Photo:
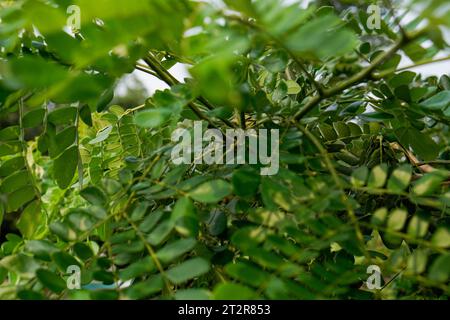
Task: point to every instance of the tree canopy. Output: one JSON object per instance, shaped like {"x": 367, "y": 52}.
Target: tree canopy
{"x": 88, "y": 188}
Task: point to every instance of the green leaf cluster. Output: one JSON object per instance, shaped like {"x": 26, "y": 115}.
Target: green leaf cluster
{"x": 364, "y": 151}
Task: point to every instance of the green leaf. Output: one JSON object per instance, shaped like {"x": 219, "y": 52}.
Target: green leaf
{"x": 30, "y": 295}
{"x": 402, "y": 78}
{"x": 247, "y": 273}
{"x": 9, "y": 133}
{"x": 439, "y": 101}
{"x": 444, "y": 82}
{"x": 359, "y": 176}
{"x": 31, "y": 220}
{"x": 348, "y": 157}
{"x": 211, "y": 191}
{"x": 111, "y": 186}
{"x": 392, "y": 63}
{"x": 102, "y": 135}
{"x": 422, "y": 144}
{"x": 44, "y": 73}
{"x": 104, "y": 295}
{"x": 192, "y": 294}
{"x": 355, "y": 130}
{"x": 233, "y": 291}
{"x": 400, "y": 178}
{"x": 160, "y": 233}
{"x": 397, "y": 219}
{"x": 64, "y": 260}
{"x": 63, "y": 231}
{"x": 65, "y": 167}
{"x": 85, "y": 115}
{"x": 2, "y": 215}
{"x": 151, "y": 220}
{"x": 417, "y": 262}
{"x": 15, "y": 181}
{"x": 20, "y": 197}
{"x": 81, "y": 221}
{"x": 342, "y": 129}
{"x": 327, "y": 131}
{"x": 33, "y": 118}
{"x": 10, "y": 148}
{"x": 62, "y": 141}
{"x": 245, "y": 182}
{"x": 276, "y": 62}
{"x": 183, "y": 207}
{"x": 441, "y": 238}
{"x": 188, "y": 270}
{"x": 11, "y": 165}
{"x": 414, "y": 51}
{"x": 94, "y": 195}
{"x": 293, "y": 87}
{"x": 41, "y": 249}
{"x": 105, "y": 99}
{"x": 365, "y": 48}
{"x": 137, "y": 269}
{"x": 418, "y": 226}
{"x": 21, "y": 264}
{"x": 426, "y": 185}
{"x": 62, "y": 116}
{"x": 379, "y": 217}
{"x": 440, "y": 269}
{"x": 378, "y": 176}
{"x": 51, "y": 280}
{"x": 403, "y": 93}
{"x": 320, "y": 37}
{"x": 217, "y": 222}
{"x": 83, "y": 251}
{"x": 184, "y": 216}
{"x": 146, "y": 288}
{"x": 152, "y": 118}
{"x": 174, "y": 250}
{"x": 139, "y": 211}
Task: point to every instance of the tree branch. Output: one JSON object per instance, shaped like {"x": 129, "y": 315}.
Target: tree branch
{"x": 165, "y": 76}
{"x": 358, "y": 77}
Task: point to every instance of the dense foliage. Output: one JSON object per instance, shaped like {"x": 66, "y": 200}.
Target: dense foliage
{"x": 364, "y": 151}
